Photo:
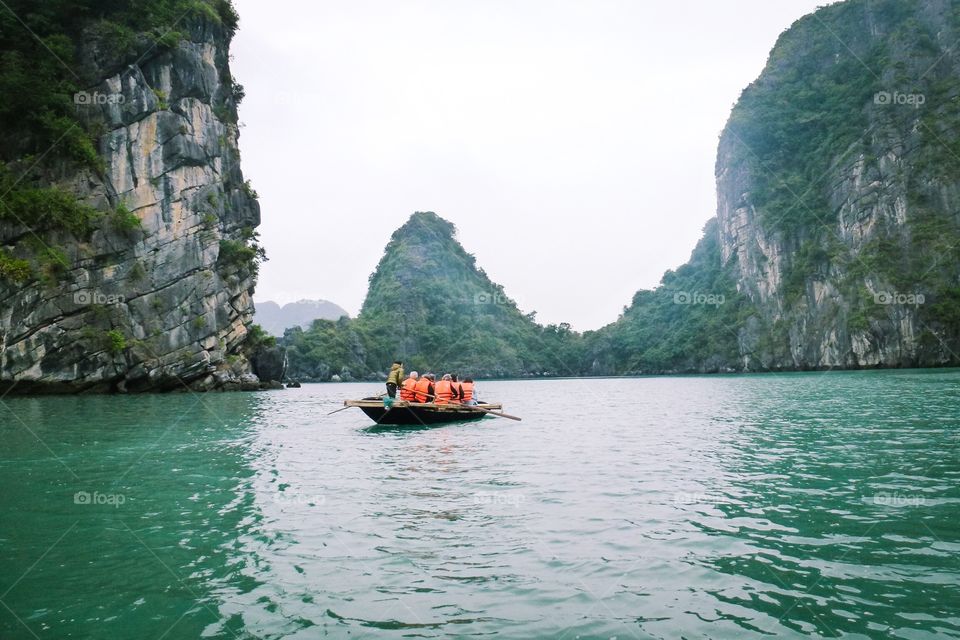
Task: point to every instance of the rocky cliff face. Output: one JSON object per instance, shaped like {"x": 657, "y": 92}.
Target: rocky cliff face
{"x": 839, "y": 195}
{"x": 837, "y": 237}
{"x": 158, "y": 296}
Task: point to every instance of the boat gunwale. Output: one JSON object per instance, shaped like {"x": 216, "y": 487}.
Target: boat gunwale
{"x": 428, "y": 406}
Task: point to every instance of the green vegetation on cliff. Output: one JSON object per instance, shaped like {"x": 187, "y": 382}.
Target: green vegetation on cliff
{"x": 40, "y": 73}
{"x": 689, "y": 323}
{"x": 848, "y": 149}
{"x": 807, "y": 111}
{"x": 44, "y": 138}
{"x": 429, "y": 304}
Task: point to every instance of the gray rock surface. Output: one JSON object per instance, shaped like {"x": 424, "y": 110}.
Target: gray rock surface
{"x": 150, "y": 309}
{"x": 853, "y": 311}
{"x": 270, "y": 363}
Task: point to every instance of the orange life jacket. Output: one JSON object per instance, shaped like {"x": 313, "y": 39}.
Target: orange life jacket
{"x": 406, "y": 389}
{"x": 421, "y": 390}
{"x": 467, "y": 391}
{"x": 445, "y": 392}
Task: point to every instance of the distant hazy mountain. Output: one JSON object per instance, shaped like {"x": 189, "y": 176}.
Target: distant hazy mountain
{"x": 275, "y": 319}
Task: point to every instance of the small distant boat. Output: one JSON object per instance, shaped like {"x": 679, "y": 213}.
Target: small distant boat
{"x": 417, "y": 413}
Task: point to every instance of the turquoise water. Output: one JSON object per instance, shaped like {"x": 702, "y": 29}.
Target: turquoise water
{"x": 788, "y": 506}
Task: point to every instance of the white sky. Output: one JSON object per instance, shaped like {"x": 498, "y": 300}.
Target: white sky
{"x": 571, "y": 142}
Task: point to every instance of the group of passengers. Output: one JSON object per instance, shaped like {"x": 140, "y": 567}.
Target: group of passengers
{"x": 425, "y": 388}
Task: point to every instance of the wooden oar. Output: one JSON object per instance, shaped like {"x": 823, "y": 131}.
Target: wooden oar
{"x": 345, "y": 408}
{"x": 337, "y": 411}
{"x": 494, "y": 413}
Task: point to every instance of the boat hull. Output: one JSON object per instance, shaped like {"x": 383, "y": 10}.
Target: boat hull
{"x": 415, "y": 414}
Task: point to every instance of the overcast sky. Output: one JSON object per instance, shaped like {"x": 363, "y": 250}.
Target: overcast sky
{"x": 571, "y": 142}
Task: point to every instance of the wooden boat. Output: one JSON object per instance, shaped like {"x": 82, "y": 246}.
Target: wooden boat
{"x": 420, "y": 413}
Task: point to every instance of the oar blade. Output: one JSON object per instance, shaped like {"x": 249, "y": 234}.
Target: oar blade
{"x": 496, "y": 413}
{"x": 505, "y": 415}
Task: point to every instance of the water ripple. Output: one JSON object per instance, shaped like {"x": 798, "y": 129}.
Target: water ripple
{"x": 800, "y": 505}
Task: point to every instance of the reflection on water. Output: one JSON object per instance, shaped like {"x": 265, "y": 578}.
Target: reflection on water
{"x": 792, "y": 505}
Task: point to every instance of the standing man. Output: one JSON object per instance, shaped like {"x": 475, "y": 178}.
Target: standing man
{"x": 394, "y": 378}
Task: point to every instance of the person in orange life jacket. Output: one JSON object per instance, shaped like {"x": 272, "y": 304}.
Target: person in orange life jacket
{"x": 468, "y": 392}
{"x": 446, "y": 392}
{"x": 394, "y": 378}
{"x": 457, "y": 388}
{"x": 423, "y": 391}
{"x": 407, "y": 388}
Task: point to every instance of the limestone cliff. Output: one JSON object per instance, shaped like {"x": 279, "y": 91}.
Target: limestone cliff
{"x": 839, "y": 191}
{"x": 837, "y": 237}
{"x": 157, "y": 293}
